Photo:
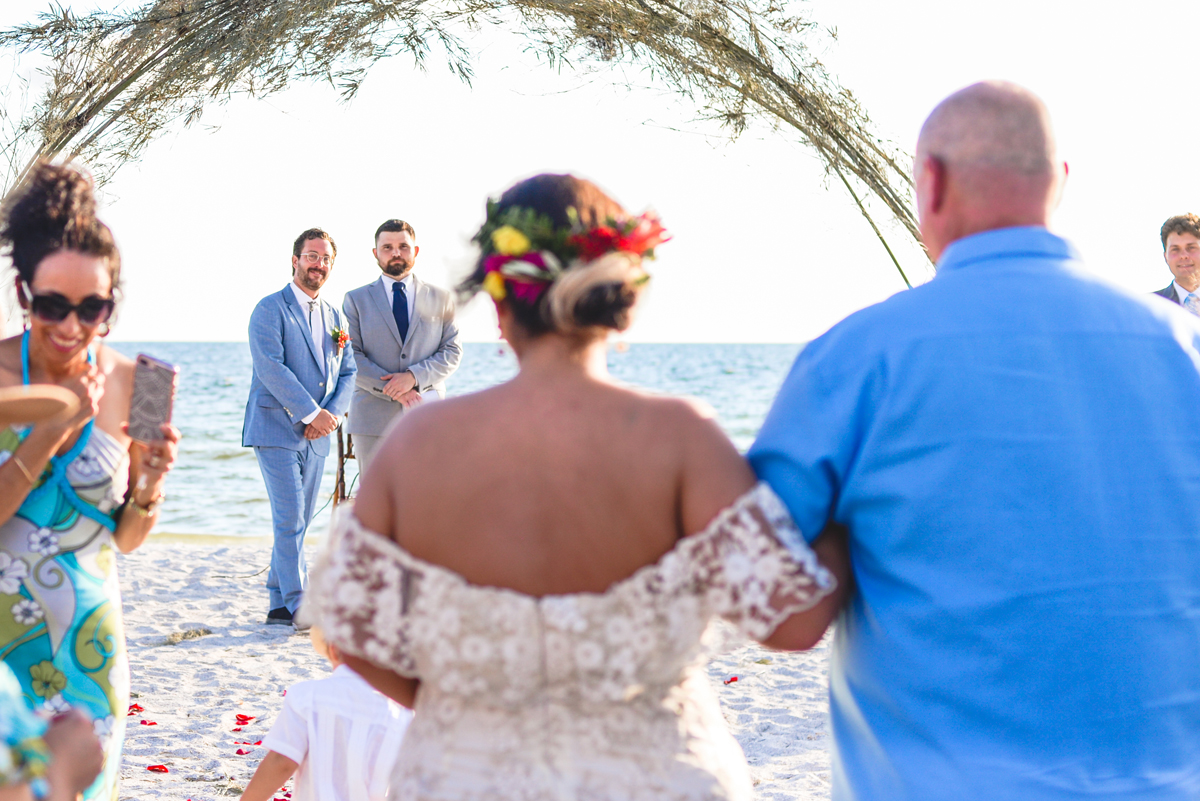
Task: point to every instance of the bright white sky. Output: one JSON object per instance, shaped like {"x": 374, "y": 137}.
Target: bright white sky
{"x": 764, "y": 251}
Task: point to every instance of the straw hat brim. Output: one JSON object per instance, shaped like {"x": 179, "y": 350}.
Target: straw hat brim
{"x": 35, "y": 403}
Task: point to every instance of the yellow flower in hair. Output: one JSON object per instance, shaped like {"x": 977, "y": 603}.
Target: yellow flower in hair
{"x": 493, "y": 284}
{"x": 508, "y": 241}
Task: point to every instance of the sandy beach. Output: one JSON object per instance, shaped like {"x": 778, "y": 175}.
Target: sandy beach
{"x": 201, "y": 655}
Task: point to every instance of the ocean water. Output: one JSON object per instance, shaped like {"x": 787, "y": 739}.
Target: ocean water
{"x": 216, "y": 489}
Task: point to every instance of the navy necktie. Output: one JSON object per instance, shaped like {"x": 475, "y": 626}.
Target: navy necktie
{"x": 400, "y": 309}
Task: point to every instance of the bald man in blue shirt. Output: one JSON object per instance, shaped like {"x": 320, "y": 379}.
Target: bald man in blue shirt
{"x": 1003, "y": 446}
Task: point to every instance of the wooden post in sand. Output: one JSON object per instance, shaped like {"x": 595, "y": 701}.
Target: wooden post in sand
{"x": 345, "y": 451}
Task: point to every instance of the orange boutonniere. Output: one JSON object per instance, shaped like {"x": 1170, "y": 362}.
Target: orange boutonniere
{"x": 340, "y": 337}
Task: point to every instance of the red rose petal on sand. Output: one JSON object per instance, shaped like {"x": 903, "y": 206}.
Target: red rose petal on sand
{"x": 731, "y": 680}
{"x": 147, "y": 722}
{"x": 236, "y": 728}
{"x": 135, "y": 708}
{"x": 244, "y": 718}
{"x": 242, "y": 752}
{"x": 158, "y": 768}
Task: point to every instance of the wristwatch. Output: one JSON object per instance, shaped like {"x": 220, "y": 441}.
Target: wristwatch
{"x": 148, "y": 509}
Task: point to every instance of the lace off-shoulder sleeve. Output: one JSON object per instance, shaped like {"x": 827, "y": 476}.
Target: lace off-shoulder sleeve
{"x": 360, "y": 594}
{"x": 755, "y": 567}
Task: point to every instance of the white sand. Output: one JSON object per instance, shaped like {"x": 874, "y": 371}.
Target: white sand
{"x": 193, "y": 688}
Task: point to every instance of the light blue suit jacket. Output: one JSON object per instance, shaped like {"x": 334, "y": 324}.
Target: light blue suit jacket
{"x": 287, "y": 384}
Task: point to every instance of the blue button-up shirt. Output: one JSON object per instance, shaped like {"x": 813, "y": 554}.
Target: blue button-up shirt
{"x": 1005, "y": 446}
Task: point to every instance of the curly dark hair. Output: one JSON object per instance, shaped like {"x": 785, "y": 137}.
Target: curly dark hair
{"x": 55, "y": 210}
{"x": 563, "y": 201}
{"x": 1180, "y": 224}
{"x": 313, "y": 233}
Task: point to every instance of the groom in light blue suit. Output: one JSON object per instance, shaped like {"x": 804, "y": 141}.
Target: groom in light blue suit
{"x": 300, "y": 389}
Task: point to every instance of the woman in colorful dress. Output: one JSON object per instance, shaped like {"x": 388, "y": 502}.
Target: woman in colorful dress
{"x": 72, "y": 488}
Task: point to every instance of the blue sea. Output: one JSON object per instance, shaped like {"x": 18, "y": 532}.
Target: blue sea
{"x": 216, "y": 489}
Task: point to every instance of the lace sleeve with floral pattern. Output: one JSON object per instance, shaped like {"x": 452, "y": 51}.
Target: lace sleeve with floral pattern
{"x": 755, "y": 566}
{"x": 359, "y": 595}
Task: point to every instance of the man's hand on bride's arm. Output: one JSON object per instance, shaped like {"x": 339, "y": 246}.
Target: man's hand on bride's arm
{"x": 400, "y": 689}
{"x": 804, "y": 630}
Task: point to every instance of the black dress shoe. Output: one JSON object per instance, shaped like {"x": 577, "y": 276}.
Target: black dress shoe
{"x": 280, "y": 616}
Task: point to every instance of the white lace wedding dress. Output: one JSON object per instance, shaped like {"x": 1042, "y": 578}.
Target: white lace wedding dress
{"x": 568, "y": 697}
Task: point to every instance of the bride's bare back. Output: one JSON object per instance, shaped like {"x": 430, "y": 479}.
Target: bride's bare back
{"x": 558, "y": 481}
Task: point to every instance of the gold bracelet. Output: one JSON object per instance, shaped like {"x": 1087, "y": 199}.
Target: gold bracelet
{"x": 147, "y": 510}
{"x": 21, "y": 465}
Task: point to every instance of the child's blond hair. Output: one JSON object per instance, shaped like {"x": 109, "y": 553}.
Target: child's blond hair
{"x": 322, "y": 646}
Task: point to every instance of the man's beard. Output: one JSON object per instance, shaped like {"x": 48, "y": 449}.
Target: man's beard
{"x": 311, "y": 282}
{"x": 396, "y": 267}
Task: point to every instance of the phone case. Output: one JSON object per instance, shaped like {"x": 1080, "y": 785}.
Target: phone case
{"x": 153, "y": 396}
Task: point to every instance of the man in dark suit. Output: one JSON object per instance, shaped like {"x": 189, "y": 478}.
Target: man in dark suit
{"x": 1181, "y": 251}
{"x": 300, "y": 388}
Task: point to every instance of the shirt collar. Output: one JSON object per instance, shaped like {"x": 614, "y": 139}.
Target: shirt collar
{"x": 406, "y": 280}
{"x": 302, "y": 297}
{"x": 1182, "y": 293}
{"x": 1031, "y": 241}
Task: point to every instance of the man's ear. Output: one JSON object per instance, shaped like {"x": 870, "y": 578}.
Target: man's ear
{"x": 934, "y": 173}
{"x": 416, "y": 250}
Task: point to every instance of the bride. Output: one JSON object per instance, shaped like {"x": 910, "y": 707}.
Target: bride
{"x": 532, "y": 567}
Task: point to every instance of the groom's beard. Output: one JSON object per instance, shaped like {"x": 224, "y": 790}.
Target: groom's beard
{"x": 397, "y": 268}
{"x": 313, "y": 278}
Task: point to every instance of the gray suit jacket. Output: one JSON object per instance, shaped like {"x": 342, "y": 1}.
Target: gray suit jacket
{"x": 287, "y": 383}
{"x": 1170, "y": 294}
{"x": 431, "y": 351}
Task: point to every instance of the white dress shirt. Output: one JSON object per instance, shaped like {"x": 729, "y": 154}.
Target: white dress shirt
{"x": 311, "y": 309}
{"x": 343, "y": 734}
{"x": 409, "y": 295}
{"x": 1180, "y": 292}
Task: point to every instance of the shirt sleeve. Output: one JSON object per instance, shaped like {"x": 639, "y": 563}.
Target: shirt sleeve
{"x": 811, "y": 436}
{"x": 308, "y": 418}
{"x": 289, "y": 734}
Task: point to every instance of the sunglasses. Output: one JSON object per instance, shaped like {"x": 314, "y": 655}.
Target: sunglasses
{"x": 54, "y": 308}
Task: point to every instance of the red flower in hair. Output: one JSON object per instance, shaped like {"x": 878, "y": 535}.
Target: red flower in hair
{"x": 647, "y": 234}
{"x": 595, "y": 242}
{"x": 637, "y": 236}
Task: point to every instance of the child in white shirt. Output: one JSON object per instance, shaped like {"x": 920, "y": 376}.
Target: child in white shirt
{"x": 338, "y": 735}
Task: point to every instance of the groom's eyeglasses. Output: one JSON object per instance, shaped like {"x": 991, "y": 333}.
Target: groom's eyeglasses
{"x": 312, "y": 258}
{"x": 52, "y": 307}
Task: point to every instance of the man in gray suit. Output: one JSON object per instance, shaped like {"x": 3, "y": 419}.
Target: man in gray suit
{"x": 300, "y": 387}
{"x": 404, "y": 338}
{"x": 1181, "y": 251}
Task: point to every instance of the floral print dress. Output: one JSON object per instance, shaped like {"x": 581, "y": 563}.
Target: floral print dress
{"x": 60, "y": 603}
{"x": 23, "y": 752}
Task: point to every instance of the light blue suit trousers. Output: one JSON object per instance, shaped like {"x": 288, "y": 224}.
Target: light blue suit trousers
{"x": 293, "y": 479}
{"x": 289, "y": 383}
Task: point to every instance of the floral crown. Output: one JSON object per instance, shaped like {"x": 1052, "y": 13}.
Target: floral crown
{"x": 525, "y": 252}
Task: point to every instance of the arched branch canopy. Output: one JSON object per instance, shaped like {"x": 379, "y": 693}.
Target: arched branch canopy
{"x": 118, "y": 80}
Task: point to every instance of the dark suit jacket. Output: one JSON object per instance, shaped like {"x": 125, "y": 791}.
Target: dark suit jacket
{"x": 1169, "y": 294}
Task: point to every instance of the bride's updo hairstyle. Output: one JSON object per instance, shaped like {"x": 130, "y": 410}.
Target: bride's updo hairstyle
{"x": 564, "y": 256}
{"x": 55, "y": 210}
